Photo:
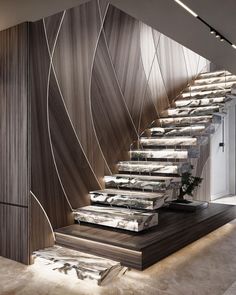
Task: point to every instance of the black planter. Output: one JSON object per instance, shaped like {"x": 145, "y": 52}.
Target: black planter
{"x": 187, "y": 205}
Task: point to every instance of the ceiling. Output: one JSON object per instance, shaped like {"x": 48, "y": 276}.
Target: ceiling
{"x": 164, "y": 15}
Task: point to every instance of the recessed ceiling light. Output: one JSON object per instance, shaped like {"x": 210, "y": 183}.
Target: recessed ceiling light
{"x": 212, "y": 31}
{"x": 186, "y": 8}
{"x": 222, "y": 39}
{"x": 234, "y": 46}
{"x": 217, "y": 35}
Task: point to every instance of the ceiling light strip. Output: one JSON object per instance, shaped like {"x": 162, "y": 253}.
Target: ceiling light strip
{"x": 186, "y": 8}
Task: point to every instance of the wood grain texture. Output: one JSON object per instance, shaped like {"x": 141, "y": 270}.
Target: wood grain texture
{"x": 175, "y": 230}
{"x": 41, "y": 235}
{"x": 73, "y": 59}
{"x": 122, "y": 33}
{"x": 14, "y": 233}
{"x": 44, "y": 180}
{"x": 113, "y": 124}
{"x": 14, "y": 177}
{"x": 75, "y": 173}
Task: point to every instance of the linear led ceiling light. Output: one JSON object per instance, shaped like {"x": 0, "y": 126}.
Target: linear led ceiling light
{"x": 212, "y": 30}
{"x": 186, "y": 7}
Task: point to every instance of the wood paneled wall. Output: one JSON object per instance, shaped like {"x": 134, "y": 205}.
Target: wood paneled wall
{"x": 98, "y": 78}
{"x": 14, "y": 137}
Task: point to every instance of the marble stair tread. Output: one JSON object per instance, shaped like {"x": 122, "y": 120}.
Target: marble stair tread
{"x": 220, "y": 73}
{"x": 162, "y": 154}
{"x": 200, "y": 102}
{"x": 204, "y": 94}
{"x": 141, "y": 182}
{"x": 79, "y": 265}
{"x": 211, "y": 86}
{"x": 203, "y": 81}
{"x": 179, "y": 112}
{"x": 153, "y": 168}
{"x": 186, "y": 141}
{"x": 131, "y": 199}
{"x": 191, "y": 130}
{"x": 183, "y": 121}
{"x": 120, "y": 218}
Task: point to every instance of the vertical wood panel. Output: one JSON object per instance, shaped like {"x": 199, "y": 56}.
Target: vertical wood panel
{"x": 112, "y": 122}
{"x": 14, "y": 233}
{"x": 44, "y": 179}
{"x": 14, "y": 115}
{"x": 123, "y": 38}
{"x": 73, "y": 60}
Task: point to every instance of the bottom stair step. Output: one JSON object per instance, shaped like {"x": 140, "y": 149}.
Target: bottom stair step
{"x": 130, "y": 199}
{"x": 78, "y": 264}
{"x": 121, "y": 218}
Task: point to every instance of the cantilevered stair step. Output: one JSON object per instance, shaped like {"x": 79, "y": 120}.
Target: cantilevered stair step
{"x": 78, "y": 265}
{"x": 221, "y": 73}
{"x": 185, "y": 141}
{"x": 154, "y": 168}
{"x": 179, "y": 112}
{"x": 120, "y": 218}
{"x": 141, "y": 182}
{"x": 204, "y": 81}
{"x": 186, "y": 121}
{"x": 200, "y": 102}
{"x": 211, "y": 86}
{"x": 204, "y": 94}
{"x": 192, "y": 130}
{"x": 163, "y": 154}
{"x": 131, "y": 199}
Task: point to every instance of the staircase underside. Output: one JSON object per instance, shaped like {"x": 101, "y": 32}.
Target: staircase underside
{"x": 140, "y": 250}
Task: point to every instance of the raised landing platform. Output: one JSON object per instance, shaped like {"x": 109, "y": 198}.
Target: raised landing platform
{"x": 140, "y": 250}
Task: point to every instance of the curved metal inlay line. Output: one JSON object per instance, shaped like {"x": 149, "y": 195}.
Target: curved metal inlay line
{"x": 48, "y": 82}
{"x": 44, "y": 212}
{"x": 147, "y": 83}
{"x": 90, "y": 83}
{"x": 116, "y": 78}
{"x": 64, "y": 104}
{"x": 158, "y": 61}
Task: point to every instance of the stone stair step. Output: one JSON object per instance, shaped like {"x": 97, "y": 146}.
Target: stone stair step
{"x": 192, "y": 130}
{"x": 203, "y": 81}
{"x": 200, "y": 102}
{"x": 131, "y": 199}
{"x": 211, "y": 86}
{"x": 154, "y": 168}
{"x": 220, "y": 73}
{"x": 163, "y": 154}
{"x": 139, "y": 182}
{"x": 120, "y": 218}
{"x": 183, "y": 121}
{"x": 204, "y": 94}
{"x": 179, "y": 112}
{"x": 187, "y": 141}
{"x": 78, "y": 265}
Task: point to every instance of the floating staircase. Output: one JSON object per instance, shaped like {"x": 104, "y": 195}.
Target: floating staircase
{"x": 146, "y": 182}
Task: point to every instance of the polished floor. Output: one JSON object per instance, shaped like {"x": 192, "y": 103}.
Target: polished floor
{"x": 208, "y": 266}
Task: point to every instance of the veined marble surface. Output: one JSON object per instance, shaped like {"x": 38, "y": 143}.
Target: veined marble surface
{"x": 122, "y": 218}
{"x": 153, "y": 167}
{"x": 139, "y": 182}
{"x": 187, "y": 141}
{"x": 205, "y": 94}
{"x": 78, "y": 264}
{"x": 216, "y": 79}
{"x": 211, "y": 86}
{"x": 176, "y": 121}
{"x": 131, "y": 199}
{"x": 190, "y": 111}
{"x": 178, "y": 131}
{"x": 221, "y": 73}
{"x": 159, "y": 154}
{"x": 201, "y": 102}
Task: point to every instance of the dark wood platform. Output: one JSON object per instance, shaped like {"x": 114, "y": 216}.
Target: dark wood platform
{"x": 140, "y": 250}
